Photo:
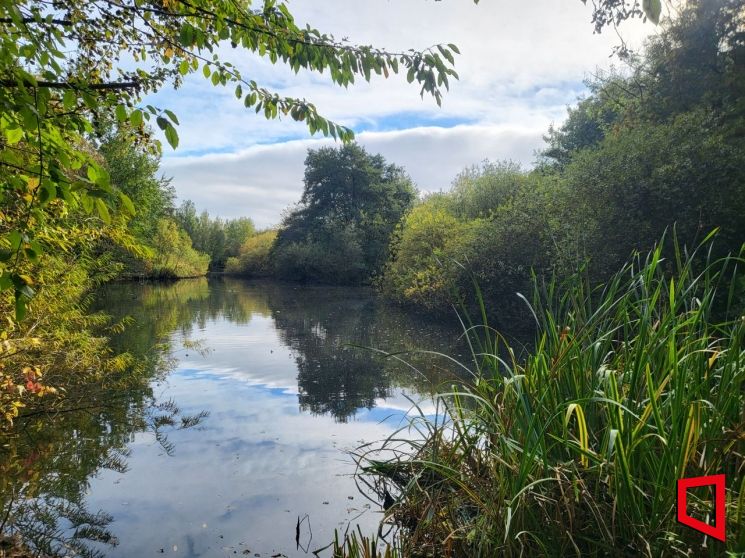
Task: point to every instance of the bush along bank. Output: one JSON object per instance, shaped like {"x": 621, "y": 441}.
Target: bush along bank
{"x": 576, "y": 448}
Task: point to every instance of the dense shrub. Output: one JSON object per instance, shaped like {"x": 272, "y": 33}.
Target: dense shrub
{"x": 642, "y": 180}
{"x": 479, "y": 190}
{"x": 173, "y": 255}
{"x": 658, "y": 148}
{"x": 332, "y": 256}
{"x": 254, "y": 256}
{"x": 431, "y": 249}
{"x": 452, "y": 239}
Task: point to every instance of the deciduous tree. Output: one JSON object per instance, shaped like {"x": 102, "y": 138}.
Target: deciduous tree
{"x": 65, "y": 64}
{"x": 353, "y": 199}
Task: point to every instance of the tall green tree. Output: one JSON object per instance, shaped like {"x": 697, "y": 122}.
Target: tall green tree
{"x": 220, "y": 238}
{"x": 237, "y": 232}
{"x": 351, "y": 204}
{"x": 134, "y": 171}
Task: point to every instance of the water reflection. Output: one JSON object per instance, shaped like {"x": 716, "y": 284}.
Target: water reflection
{"x": 284, "y": 392}
{"x": 334, "y": 378}
{"x": 329, "y": 331}
{"x": 47, "y": 464}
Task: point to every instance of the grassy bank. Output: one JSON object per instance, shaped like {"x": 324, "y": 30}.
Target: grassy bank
{"x": 576, "y": 448}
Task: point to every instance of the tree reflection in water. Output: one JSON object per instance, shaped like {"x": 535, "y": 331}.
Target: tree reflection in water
{"x": 333, "y": 333}
{"x": 329, "y": 329}
{"x": 47, "y": 462}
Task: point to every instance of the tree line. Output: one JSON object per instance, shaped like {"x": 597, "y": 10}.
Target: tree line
{"x": 657, "y": 148}
{"x": 168, "y": 241}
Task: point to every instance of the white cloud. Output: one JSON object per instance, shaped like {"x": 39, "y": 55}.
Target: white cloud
{"x": 521, "y": 64}
{"x": 261, "y": 181}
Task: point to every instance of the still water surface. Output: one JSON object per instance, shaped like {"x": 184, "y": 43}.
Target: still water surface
{"x": 275, "y": 395}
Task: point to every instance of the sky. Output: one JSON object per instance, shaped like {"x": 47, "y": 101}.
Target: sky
{"x": 521, "y": 64}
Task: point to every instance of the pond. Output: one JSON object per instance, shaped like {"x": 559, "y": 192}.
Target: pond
{"x": 238, "y": 442}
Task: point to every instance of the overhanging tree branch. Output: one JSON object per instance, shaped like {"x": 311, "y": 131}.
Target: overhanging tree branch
{"x": 27, "y": 20}
{"x": 115, "y": 85}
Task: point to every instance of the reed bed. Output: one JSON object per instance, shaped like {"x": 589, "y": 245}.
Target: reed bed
{"x": 575, "y": 447}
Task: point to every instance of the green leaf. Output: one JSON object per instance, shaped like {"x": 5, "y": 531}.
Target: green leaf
{"x": 162, "y": 123}
{"x": 31, "y": 253}
{"x": 13, "y": 135}
{"x": 171, "y": 116}
{"x": 454, "y": 48}
{"x": 36, "y": 246}
{"x": 87, "y": 203}
{"x": 69, "y": 99}
{"x": 446, "y": 53}
{"x": 121, "y": 113}
{"x": 186, "y": 35}
{"x": 206, "y": 71}
{"x": 103, "y": 211}
{"x": 653, "y": 10}
{"x": 127, "y": 204}
{"x": 20, "y": 307}
{"x": 47, "y": 192}
{"x": 183, "y": 67}
{"x": 26, "y": 290}
{"x": 104, "y": 179}
{"x": 15, "y": 239}
{"x": 92, "y": 173}
{"x": 65, "y": 194}
{"x": 171, "y": 135}
{"x": 135, "y": 118}
{"x": 89, "y": 100}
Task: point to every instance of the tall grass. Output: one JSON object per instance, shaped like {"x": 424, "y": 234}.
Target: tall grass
{"x": 355, "y": 544}
{"x": 576, "y": 447}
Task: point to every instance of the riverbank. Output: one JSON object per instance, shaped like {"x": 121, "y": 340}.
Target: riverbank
{"x": 577, "y": 448}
